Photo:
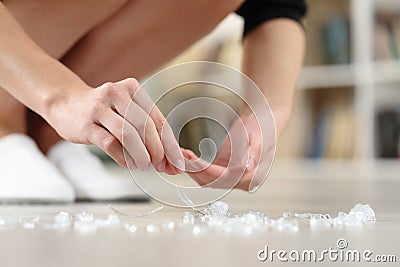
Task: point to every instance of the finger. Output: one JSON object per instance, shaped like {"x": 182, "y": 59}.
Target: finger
{"x": 111, "y": 146}
{"x": 193, "y": 162}
{"x": 161, "y": 166}
{"x": 120, "y": 94}
{"x": 127, "y": 135}
{"x": 200, "y": 168}
{"x": 171, "y": 147}
{"x": 255, "y": 143}
{"x": 237, "y": 139}
{"x": 146, "y": 128}
{"x": 224, "y": 153}
{"x": 189, "y": 154}
{"x": 262, "y": 151}
{"x": 216, "y": 175}
{"x": 197, "y": 177}
{"x": 254, "y": 153}
{"x": 170, "y": 169}
{"x": 209, "y": 175}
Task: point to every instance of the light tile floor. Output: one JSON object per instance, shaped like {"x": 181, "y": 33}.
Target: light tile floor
{"x": 290, "y": 187}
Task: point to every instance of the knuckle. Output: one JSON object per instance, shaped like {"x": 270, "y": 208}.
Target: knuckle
{"x": 109, "y": 144}
{"x": 110, "y": 90}
{"x": 92, "y": 135}
{"x": 108, "y": 86}
{"x": 95, "y": 110}
{"x": 133, "y": 85}
{"x": 159, "y": 122}
{"x": 133, "y": 82}
{"x": 97, "y": 106}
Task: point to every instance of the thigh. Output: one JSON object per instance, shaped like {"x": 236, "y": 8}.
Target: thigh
{"x": 142, "y": 36}
{"x": 57, "y": 25}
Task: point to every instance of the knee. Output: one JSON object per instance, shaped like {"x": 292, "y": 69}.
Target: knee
{"x": 231, "y": 4}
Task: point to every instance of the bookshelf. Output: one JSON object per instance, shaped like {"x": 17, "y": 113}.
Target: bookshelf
{"x": 363, "y": 73}
{"x": 387, "y": 71}
{"x": 358, "y": 72}
{"x": 326, "y": 76}
{"x": 355, "y": 87}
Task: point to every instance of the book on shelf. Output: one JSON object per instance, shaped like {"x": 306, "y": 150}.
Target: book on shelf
{"x": 387, "y": 35}
{"x": 388, "y": 133}
{"x": 336, "y": 40}
{"x": 333, "y": 135}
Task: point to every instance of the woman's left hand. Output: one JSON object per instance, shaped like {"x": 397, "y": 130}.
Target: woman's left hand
{"x": 240, "y": 162}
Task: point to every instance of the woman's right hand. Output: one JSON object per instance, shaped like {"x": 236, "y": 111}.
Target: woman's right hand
{"x": 114, "y": 117}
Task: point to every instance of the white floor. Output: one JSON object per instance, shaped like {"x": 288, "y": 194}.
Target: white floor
{"x": 290, "y": 187}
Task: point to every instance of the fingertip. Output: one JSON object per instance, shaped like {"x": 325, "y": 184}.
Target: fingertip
{"x": 130, "y": 163}
{"x": 177, "y": 162}
{"x": 161, "y": 166}
{"x": 189, "y": 154}
{"x": 180, "y": 165}
{"x": 251, "y": 163}
{"x": 144, "y": 168}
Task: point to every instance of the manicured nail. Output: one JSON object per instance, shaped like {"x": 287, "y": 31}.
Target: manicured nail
{"x": 253, "y": 188}
{"x": 161, "y": 166}
{"x": 145, "y": 168}
{"x": 131, "y": 165}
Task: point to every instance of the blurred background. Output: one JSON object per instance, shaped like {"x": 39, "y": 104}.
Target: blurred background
{"x": 347, "y": 105}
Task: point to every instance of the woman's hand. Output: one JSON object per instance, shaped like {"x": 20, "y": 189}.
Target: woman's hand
{"x": 243, "y": 160}
{"x": 118, "y": 117}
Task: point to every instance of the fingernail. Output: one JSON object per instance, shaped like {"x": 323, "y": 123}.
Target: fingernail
{"x": 132, "y": 166}
{"x": 253, "y": 188}
{"x": 250, "y": 164}
{"x": 180, "y": 165}
{"x": 161, "y": 166}
{"x": 145, "y": 168}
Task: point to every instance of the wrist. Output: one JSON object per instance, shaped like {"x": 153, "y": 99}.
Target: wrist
{"x": 280, "y": 114}
{"x": 281, "y": 117}
{"x": 54, "y": 98}
{"x": 51, "y": 84}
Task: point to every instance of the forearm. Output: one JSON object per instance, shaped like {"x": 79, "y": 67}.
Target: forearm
{"x": 273, "y": 55}
{"x": 26, "y": 71}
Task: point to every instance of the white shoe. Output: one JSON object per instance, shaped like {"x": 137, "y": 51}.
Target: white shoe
{"x": 26, "y": 175}
{"x": 90, "y": 178}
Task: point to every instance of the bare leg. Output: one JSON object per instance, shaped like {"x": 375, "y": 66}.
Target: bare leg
{"x": 44, "y": 135}
{"x": 135, "y": 41}
{"x": 56, "y": 26}
{"x": 142, "y": 36}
